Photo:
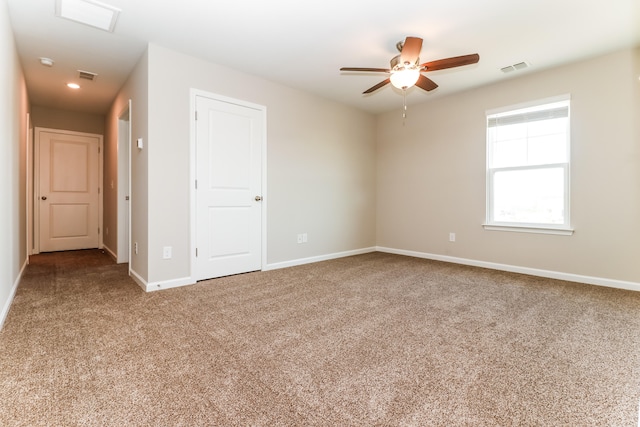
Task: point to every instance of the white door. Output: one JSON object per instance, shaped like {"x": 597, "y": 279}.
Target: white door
{"x": 229, "y": 140}
{"x": 68, "y": 191}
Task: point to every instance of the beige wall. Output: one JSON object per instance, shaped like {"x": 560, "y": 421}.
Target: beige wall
{"x": 423, "y": 180}
{"x": 14, "y": 107}
{"x": 431, "y": 173}
{"x": 320, "y": 164}
{"x": 54, "y": 118}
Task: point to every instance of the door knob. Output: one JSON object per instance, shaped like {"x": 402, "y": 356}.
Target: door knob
{"x": 258, "y": 198}
{"x": 44, "y": 197}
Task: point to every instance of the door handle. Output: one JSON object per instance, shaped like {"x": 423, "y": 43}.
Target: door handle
{"x": 258, "y": 198}
{"x": 44, "y": 197}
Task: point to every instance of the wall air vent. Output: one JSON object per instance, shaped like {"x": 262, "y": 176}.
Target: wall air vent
{"x": 87, "y": 75}
{"x": 514, "y": 67}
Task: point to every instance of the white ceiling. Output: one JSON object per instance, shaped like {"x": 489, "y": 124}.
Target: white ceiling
{"x": 304, "y": 43}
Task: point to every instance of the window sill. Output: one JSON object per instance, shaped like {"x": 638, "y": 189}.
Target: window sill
{"x": 529, "y": 229}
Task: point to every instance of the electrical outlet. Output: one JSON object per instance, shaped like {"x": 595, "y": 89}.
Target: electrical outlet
{"x": 452, "y": 237}
{"x": 135, "y": 248}
{"x": 299, "y": 238}
{"x": 304, "y": 238}
{"x": 166, "y": 252}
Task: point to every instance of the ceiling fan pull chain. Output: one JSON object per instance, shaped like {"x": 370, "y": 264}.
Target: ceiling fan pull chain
{"x": 404, "y": 105}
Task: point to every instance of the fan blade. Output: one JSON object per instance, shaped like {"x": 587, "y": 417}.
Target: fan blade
{"x": 411, "y": 50}
{"x": 378, "y": 86}
{"x": 426, "y": 83}
{"x": 375, "y": 70}
{"x": 456, "y": 61}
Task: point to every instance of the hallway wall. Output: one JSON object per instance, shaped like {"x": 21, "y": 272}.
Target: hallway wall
{"x": 53, "y": 118}
{"x": 14, "y": 107}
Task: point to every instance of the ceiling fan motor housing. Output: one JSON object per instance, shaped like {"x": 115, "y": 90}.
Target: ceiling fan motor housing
{"x": 396, "y": 62}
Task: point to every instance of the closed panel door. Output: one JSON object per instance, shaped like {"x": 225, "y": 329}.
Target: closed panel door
{"x": 69, "y": 191}
{"x": 229, "y": 187}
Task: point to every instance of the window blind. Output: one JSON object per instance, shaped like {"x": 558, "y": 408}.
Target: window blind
{"x": 531, "y": 116}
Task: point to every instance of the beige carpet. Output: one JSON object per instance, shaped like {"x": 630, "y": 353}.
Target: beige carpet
{"x": 375, "y": 339}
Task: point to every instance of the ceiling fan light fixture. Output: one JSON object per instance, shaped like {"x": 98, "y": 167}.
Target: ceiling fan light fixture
{"x": 404, "y": 77}
{"x": 405, "y": 69}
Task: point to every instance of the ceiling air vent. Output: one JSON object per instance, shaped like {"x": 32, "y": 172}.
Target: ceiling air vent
{"x": 87, "y": 75}
{"x": 89, "y": 12}
{"x": 514, "y": 67}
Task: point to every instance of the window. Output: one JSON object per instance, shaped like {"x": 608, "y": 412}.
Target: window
{"x": 528, "y": 167}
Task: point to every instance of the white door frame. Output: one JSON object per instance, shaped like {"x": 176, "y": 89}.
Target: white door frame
{"x": 36, "y": 180}
{"x": 123, "y": 204}
{"x": 192, "y": 171}
{"x": 29, "y": 187}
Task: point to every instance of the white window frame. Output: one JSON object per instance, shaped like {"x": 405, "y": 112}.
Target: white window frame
{"x": 542, "y": 228}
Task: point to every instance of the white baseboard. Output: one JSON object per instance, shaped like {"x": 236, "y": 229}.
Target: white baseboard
{"x": 590, "y": 280}
{"x": 138, "y": 279}
{"x": 12, "y": 294}
{"x": 156, "y": 286}
{"x": 186, "y": 281}
{"x": 112, "y": 254}
{"x": 168, "y": 284}
{"x": 309, "y": 260}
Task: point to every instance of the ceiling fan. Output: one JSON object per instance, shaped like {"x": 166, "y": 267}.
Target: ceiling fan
{"x": 406, "y": 68}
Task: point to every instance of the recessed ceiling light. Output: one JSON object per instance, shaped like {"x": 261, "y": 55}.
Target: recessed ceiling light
{"x": 88, "y": 12}
{"x": 73, "y": 85}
